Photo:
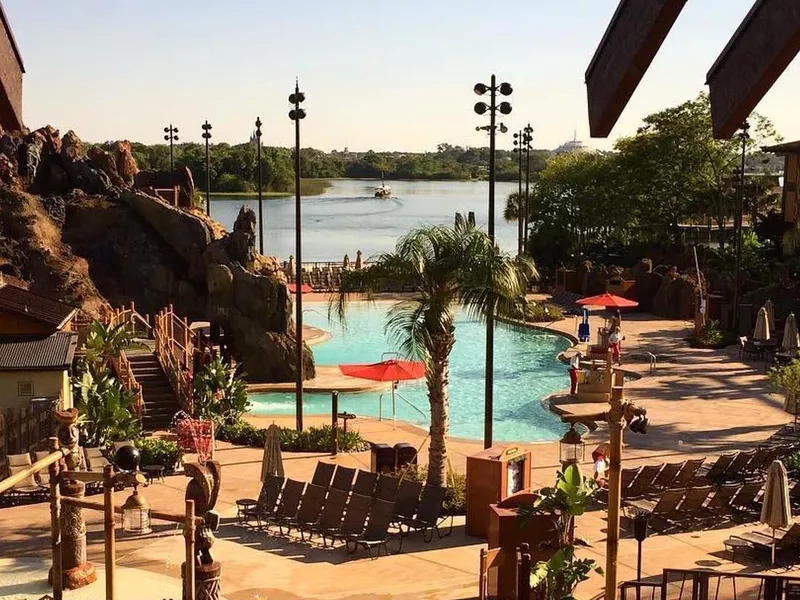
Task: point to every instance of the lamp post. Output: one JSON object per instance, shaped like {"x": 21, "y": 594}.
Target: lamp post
{"x": 171, "y": 136}
{"x": 518, "y": 152}
{"x": 296, "y": 115}
{"x": 207, "y": 136}
{"x": 527, "y": 139}
{"x": 481, "y": 108}
{"x": 260, "y": 187}
{"x": 737, "y": 229}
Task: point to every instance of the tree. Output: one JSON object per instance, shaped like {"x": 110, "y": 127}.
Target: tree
{"x": 105, "y": 343}
{"x": 447, "y": 268}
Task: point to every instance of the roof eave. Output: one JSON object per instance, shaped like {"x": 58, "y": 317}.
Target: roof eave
{"x": 11, "y": 38}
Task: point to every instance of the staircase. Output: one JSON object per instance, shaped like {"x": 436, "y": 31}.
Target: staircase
{"x": 160, "y": 403}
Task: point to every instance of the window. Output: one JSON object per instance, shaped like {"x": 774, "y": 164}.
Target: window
{"x": 24, "y": 388}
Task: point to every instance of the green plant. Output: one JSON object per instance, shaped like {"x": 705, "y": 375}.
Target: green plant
{"x": 455, "y": 499}
{"x": 311, "y": 439}
{"x": 710, "y": 336}
{"x": 159, "y": 452}
{"x": 566, "y": 500}
{"x": 538, "y": 312}
{"x": 104, "y": 343}
{"x": 786, "y": 380}
{"x": 219, "y": 394}
{"x": 793, "y": 462}
{"x": 562, "y": 573}
{"x": 104, "y": 409}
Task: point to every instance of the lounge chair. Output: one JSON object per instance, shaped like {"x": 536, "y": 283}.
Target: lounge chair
{"x": 343, "y": 479}
{"x": 794, "y": 494}
{"x": 664, "y": 508}
{"x": 323, "y": 474}
{"x": 28, "y": 488}
{"x": 666, "y": 477}
{"x": 387, "y": 488}
{"x": 330, "y": 518}
{"x": 354, "y": 519}
{"x": 744, "y": 501}
{"x": 723, "y": 495}
{"x": 266, "y": 503}
{"x": 376, "y": 535}
{"x": 691, "y": 507}
{"x": 717, "y": 470}
{"x": 95, "y": 459}
{"x": 429, "y": 517}
{"x": 44, "y": 474}
{"x": 407, "y": 499}
{"x": 309, "y": 511}
{"x": 738, "y": 467}
{"x": 643, "y": 484}
{"x": 288, "y": 503}
{"x": 688, "y": 473}
{"x": 365, "y": 483}
{"x": 784, "y": 539}
{"x": 761, "y": 461}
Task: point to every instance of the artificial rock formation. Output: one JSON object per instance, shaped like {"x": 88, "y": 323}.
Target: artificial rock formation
{"x": 87, "y": 236}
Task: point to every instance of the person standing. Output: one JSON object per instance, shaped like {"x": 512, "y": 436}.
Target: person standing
{"x": 614, "y": 340}
{"x": 574, "y": 367}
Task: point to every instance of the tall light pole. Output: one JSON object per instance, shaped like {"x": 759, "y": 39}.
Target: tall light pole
{"x": 518, "y": 152}
{"x": 527, "y": 138}
{"x": 171, "y": 136}
{"x": 737, "y": 229}
{"x": 296, "y": 114}
{"x": 481, "y": 108}
{"x": 207, "y": 136}
{"x": 260, "y": 187}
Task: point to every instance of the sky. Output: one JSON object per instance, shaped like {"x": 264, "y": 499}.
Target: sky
{"x": 377, "y": 74}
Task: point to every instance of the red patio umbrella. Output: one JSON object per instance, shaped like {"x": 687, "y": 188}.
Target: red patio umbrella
{"x": 304, "y": 289}
{"x": 607, "y": 301}
{"x": 387, "y": 370}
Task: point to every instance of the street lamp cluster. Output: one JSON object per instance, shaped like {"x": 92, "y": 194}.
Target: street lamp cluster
{"x": 522, "y": 145}
{"x": 481, "y": 108}
{"x": 171, "y": 135}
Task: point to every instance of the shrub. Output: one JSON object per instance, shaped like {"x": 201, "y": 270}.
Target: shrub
{"x": 219, "y": 393}
{"x": 793, "y": 462}
{"x": 455, "y": 500}
{"x": 105, "y": 409}
{"x": 159, "y": 452}
{"x": 536, "y": 312}
{"x": 312, "y": 439}
{"x": 710, "y": 336}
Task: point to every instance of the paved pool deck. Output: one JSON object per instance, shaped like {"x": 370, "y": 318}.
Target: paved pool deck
{"x": 700, "y": 403}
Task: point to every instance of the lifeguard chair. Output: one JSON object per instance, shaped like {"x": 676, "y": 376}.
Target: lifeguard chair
{"x": 584, "y": 333}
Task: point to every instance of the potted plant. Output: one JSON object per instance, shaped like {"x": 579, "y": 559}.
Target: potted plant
{"x": 558, "y": 577}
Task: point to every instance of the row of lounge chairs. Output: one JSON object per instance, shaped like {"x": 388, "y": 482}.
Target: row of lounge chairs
{"x": 37, "y": 486}
{"x": 784, "y": 539}
{"x": 368, "y": 511}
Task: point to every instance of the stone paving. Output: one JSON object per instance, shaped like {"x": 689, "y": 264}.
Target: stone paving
{"x": 700, "y": 403}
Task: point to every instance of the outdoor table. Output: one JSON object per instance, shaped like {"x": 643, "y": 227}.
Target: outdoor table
{"x": 734, "y": 545}
{"x": 152, "y": 472}
{"x": 784, "y": 358}
{"x": 244, "y": 505}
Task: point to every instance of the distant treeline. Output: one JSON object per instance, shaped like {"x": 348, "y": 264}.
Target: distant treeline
{"x": 234, "y": 168}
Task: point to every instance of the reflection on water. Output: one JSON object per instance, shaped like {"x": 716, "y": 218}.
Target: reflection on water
{"x": 348, "y": 218}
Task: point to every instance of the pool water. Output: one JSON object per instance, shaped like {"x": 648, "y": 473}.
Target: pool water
{"x": 526, "y": 371}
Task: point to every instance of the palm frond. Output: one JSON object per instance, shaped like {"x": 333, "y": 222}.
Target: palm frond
{"x": 406, "y": 326}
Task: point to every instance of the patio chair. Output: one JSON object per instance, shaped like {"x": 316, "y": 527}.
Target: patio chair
{"x": 365, "y": 483}
{"x": 717, "y": 470}
{"x": 266, "y": 503}
{"x": 387, "y": 488}
{"x": 44, "y": 474}
{"x": 762, "y": 460}
{"x": 376, "y": 535}
{"x": 353, "y": 522}
{"x": 407, "y": 499}
{"x": 691, "y": 507}
{"x": 429, "y": 517}
{"x": 687, "y": 474}
{"x": 643, "y": 484}
{"x": 309, "y": 511}
{"x": 288, "y": 503}
{"x": 343, "y": 479}
{"x": 666, "y": 477}
{"x": 744, "y": 501}
{"x": 662, "y": 509}
{"x": 784, "y": 539}
{"x": 95, "y": 461}
{"x": 738, "y": 467}
{"x": 330, "y": 518}
{"x": 323, "y": 474}
{"x": 721, "y": 500}
{"x": 28, "y": 488}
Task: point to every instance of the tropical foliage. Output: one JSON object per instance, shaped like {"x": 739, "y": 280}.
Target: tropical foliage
{"x": 560, "y": 575}
{"x": 786, "y": 380}
{"x": 104, "y": 408}
{"x": 448, "y": 268}
{"x": 220, "y": 394}
{"x": 159, "y": 452}
{"x": 104, "y": 343}
{"x": 311, "y": 439}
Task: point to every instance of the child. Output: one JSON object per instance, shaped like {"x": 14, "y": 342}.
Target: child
{"x": 574, "y": 367}
{"x": 614, "y": 340}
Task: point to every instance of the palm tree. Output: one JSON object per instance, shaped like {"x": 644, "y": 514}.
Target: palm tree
{"x": 447, "y": 267}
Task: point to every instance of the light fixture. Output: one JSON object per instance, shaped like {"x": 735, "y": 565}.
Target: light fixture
{"x": 571, "y": 447}
{"x": 136, "y": 514}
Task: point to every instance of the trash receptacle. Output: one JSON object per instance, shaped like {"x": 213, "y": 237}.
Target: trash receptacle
{"x": 382, "y": 458}
{"x": 406, "y": 454}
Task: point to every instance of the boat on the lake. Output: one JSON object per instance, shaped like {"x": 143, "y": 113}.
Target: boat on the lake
{"x": 383, "y": 190}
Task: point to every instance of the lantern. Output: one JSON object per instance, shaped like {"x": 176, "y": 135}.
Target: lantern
{"x": 136, "y": 514}
{"x": 571, "y": 447}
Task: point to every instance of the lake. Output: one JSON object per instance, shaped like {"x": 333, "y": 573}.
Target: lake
{"x": 347, "y": 217}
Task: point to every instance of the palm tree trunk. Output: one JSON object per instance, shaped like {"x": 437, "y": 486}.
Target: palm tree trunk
{"x": 438, "y": 376}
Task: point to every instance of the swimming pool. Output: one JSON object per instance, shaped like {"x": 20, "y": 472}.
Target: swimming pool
{"x": 526, "y": 370}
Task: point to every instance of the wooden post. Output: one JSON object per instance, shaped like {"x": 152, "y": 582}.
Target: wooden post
{"x": 213, "y": 441}
{"x": 189, "y": 570}
{"x": 335, "y": 422}
{"x": 614, "y": 495}
{"x": 187, "y": 359}
{"x": 108, "y": 528}
{"x": 55, "y": 527}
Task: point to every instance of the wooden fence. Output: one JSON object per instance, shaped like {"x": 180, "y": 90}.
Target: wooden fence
{"x": 22, "y": 430}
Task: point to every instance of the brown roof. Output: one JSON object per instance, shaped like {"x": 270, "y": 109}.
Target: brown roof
{"x": 34, "y": 306}
{"x": 27, "y": 353}
{"x": 785, "y": 148}
{"x": 11, "y": 39}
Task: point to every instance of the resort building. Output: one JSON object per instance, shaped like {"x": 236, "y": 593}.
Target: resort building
{"x": 11, "y": 70}
{"x": 23, "y": 312}
{"x": 573, "y": 145}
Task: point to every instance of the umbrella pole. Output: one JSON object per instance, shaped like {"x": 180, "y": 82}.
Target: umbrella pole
{"x": 773, "y": 546}
{"x": 394, "y": 412}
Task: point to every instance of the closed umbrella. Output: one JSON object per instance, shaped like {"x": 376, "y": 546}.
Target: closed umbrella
{"x": 761, "y": 332}
{"x": 346, "y": 262}
{"x": 359, "y": 260}
{"x": 272, "y": 462}
{"x": 770, "y": 308}
{"x": 791, "y": 340}
{"x": 776, "y": 511}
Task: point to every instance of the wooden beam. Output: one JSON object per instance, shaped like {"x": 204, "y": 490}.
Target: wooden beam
{"x": 760, "y": 50}
{"x": 632, "y": 39}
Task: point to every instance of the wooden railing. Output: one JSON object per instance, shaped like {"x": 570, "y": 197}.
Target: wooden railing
{"x": 175, "y": 344}
{"x": 139, "y": 324}
{"x": 124, "y": 371}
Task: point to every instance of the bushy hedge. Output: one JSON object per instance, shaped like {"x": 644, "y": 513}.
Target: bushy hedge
{"x": 311, "y": 439}
{"x": 159, "y": 452}
{"x": 455, "y": 500}
{"x": 537, "y": 312}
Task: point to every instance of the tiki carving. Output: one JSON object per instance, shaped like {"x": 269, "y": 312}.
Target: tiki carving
{"x": 203, "y": 490}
